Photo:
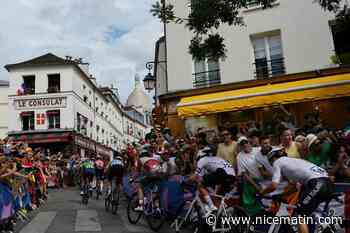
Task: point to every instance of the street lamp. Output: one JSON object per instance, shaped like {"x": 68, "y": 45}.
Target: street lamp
{"x": 149, "y": 82}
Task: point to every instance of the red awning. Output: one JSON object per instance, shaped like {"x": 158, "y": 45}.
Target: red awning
{"x": 53, "y": 112}
{"x": 42, "y": 138}
{"x": 22, "y": 114}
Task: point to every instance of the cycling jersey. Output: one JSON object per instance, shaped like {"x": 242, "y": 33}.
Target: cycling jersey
{"x": 209, "y": 165}
{"x": 296, "y": 170}
{"x": 116, "y": 161}
{"x": 99, "y": 164}
{"x": 88, "y": 164}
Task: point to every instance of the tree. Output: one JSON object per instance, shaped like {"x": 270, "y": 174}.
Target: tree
{"x": 207, "y": 16}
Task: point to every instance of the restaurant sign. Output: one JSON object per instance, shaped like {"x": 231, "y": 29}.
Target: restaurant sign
{"x": 37, "y": 103}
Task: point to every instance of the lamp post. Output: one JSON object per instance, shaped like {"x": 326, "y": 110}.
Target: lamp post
{"x": 150, "y": 81}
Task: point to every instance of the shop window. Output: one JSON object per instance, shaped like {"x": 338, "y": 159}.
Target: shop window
{"x": 54, "y": 119}
{"x": 268, "y": 55}
{"x": 28, "y": 86}
{"x": 206, "y": 73}
{"x": 27, "y": 120}
{"x": 54, "y": 83}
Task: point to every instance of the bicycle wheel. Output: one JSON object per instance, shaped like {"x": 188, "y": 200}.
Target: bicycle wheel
{"x": 242, "y": 227}
{"x": 108, "y": 203}
{"x": 97, "y": 194}
{"x": 133, "y": 216}
{"x": 115, "y": 202}
{"x": 156, "y": 216}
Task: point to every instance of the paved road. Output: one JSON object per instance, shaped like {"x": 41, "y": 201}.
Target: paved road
{"x": 64, "y": 213}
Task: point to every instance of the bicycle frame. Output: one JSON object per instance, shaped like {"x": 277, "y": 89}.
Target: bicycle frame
{"x": 197, "y": 200}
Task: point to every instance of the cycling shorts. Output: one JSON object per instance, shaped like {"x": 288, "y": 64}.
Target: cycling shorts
{"x": 219, "y": 177}
{"x": 312, "y": 194}
{"x": 116, "y": 171}
{"x": 88, "y": 173}
{"x": 99, "y": 174}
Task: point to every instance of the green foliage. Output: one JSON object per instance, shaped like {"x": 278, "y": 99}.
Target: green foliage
{"x": 341, "y": 59}
{"x": 207, "y": 16}
{"x": 213, "y": 46}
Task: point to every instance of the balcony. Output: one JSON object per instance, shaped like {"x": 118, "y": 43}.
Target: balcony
{"x": 269, "y": 68}
{"x": 206, "y": 79}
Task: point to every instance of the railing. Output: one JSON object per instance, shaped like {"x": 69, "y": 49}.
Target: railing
{"x": 206, "y": 79}
{"x": 268, "y": 68}
{"x": 53, "y": 89}
{"x": 253, "y": 3}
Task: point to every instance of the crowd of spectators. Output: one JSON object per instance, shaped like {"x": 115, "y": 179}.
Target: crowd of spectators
{"x": 25, "y": 175}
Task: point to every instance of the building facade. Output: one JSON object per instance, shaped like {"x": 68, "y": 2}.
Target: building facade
{"x": 4, "y": 118}
{"x": 56, "y": 103}
{"x": 290, "y": 39}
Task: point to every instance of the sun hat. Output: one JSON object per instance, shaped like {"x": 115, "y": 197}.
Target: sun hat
{"x": 310, "y": 139}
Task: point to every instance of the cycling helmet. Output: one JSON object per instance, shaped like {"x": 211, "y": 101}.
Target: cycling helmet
{"x": 276, "y": 152}
{"x": 205, "y": 152}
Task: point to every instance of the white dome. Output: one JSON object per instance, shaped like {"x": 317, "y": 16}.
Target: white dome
{"x": 138, "y": 98}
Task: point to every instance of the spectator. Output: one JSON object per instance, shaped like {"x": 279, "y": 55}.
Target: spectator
{"x": 228, "y": 148}
{"x": 248, "y": 170}
{"x": 254, "y": 135}
{"x": 264, "y": 165}
{"x": 341, "y": 168}
{"x": 288, "y": 144}
{"x": 319, "y": 153}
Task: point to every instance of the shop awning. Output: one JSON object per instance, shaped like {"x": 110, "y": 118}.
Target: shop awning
{"x": 266, "y": 95}
{"x": 41, "y": 138}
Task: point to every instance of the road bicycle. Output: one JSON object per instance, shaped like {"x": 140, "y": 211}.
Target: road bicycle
{"x": 112, "y": 199}
{"x": 87, "y": 193}
{"x": 153, "y": 211}
{"x": 195, "y": 216}
{"x": 284, "y": 208}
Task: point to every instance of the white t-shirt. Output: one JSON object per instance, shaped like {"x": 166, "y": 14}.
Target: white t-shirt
{"x": 263, "y": 162}
{"x": 170, "y": 166}
{"x": 210, "y": 164}
{"x": 246, "y": 162}
{"x": 296, "y": 170}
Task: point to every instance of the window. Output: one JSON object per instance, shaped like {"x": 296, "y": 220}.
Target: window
{"x": 54, "y": 119}
{"x": 85, "y": 98}
{"x": 84, "y": 87}
{"x": 27, "y": 120}
{"x": 268, "y": 56}
{"x": 341, "y": 35}
{"x": 28, "y": 85}
{"x": 206, "y": 73}
{"x": 54, "y": 84}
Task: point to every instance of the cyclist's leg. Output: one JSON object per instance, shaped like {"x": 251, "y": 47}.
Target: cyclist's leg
{"x": 208, "y": 181}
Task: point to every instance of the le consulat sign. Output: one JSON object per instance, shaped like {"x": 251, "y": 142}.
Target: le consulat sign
{"x": 44, "y": 102}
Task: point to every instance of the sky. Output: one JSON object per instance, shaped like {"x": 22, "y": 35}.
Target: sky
{"x": 117, "y": 37}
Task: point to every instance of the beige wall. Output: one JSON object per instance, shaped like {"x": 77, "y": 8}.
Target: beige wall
{"x": 306, "y": 41}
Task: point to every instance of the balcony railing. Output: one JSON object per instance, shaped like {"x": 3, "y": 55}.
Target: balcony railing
{"x": 206, "y": 79}
{"x": 253, "y": 3}
{"x": 268, "y": 68}
{"x": 53, "y": 89}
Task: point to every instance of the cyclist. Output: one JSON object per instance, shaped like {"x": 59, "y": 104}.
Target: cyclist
{"x": 87, "y": 173}
{"x": 150, "y": 172}
{"x": 115, "y": 169}
{"x": 316, "y": 185}
{"x": 213, "y": 172}
{"x": 99, "y": 169}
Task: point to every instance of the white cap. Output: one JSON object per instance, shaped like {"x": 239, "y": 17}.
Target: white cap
{"x": 241, "y": 139}
{"x": 310, "y": 139}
